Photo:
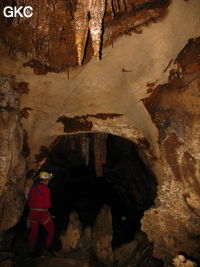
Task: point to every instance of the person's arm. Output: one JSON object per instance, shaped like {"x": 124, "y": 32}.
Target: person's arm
{"x": 47, "y": 198}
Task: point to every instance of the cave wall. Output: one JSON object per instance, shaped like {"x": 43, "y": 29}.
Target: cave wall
{"x": 141, "y": 90}
{"x": 175, "y": 110}
{"x": 12, "y": 162}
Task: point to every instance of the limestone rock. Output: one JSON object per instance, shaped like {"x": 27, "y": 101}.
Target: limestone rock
{"x": 102, "y": 237}
{"x": 177, "y": 118}
{"x": 12, "y": 163}
{"x": 70, "y": 239}
{"x": 136, "y": 253}
{"x": 181, "y": 261}
{"x": 193, "y": 201}
{"x": 86, "y": 240}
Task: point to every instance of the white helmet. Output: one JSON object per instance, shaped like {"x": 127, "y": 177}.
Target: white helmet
{"x": 45, "y": 175}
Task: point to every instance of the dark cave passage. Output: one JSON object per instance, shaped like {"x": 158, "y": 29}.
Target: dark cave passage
{"x": 125, "y": 185}
{"x": 107, "y": 184}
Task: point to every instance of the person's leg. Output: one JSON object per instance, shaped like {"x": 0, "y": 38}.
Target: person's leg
{"x": 48, "y": 223}
{"x": 34, "y": 225}
{"x": 50, "y": 228}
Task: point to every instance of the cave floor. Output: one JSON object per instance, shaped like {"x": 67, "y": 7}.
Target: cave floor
{"x": 59, "y": 259}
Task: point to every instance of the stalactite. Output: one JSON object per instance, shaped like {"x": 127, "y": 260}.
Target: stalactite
{"x": 104, "y": 148}
{"x": 99, "y": 152}
{"x": 109, "y": 7}
{"x": 89, "y": 15}
{"x": 97, "y": 155}
{"x": 81, "y": 28}
{"x": 122, "y": 5}
{"x": 116, "y": 6}
{"x": 71, "y": 142}
{"x": 85, "y": 147}
{"x": 97, "y": 10}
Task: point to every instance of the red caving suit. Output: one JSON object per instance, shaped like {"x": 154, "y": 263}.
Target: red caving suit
{"x": 39, "y": 202}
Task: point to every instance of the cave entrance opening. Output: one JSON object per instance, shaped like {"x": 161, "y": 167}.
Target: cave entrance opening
{"x": 96, "y": 169}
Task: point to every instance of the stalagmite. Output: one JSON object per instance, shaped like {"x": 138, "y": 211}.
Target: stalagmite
{"x": 71, "y": 237}
{"x": 102, "y": 237}
{"x": 85, "y": 147}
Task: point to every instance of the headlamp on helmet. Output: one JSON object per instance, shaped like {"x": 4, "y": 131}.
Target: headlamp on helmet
{"x": 45, "y": 175}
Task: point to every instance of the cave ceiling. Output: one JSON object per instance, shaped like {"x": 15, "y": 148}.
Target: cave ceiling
{"x": 63, "y": 34}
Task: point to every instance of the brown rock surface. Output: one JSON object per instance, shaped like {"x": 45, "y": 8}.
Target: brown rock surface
{"x": 70, "y": 239}
{"x": 136, "y": 253}
{"x": 12, "y": 164}
{"x": 177, "y": 212}
{"x": 102, "y": 237}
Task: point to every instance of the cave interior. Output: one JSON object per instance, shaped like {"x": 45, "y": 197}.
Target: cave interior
{"x": 84, "y": 182}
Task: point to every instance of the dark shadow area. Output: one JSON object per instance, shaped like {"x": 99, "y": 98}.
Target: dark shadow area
{"x": 126, "y": 186}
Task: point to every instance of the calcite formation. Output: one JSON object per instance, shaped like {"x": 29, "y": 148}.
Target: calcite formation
{"x": 85, "y": 147}
{"x": 81, "y": 28}
{"x": 71, "y": 237}
{"x": 181, "y": 261}
{"x": 89, "y": 15}
{"x": 60, "y": 34}
{"x": 100, "y": 149}
{"x": 102, "y": 237}
{"x": 86, "y": 142}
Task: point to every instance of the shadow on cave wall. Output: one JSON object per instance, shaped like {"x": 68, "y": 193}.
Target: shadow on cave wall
{"x": 126, "y": 186}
